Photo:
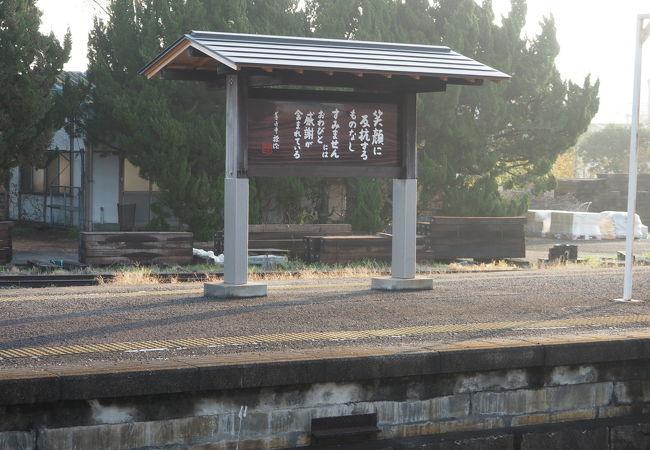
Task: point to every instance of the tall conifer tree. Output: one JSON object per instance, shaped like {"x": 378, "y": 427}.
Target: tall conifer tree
{"x": 30, "y": 62}
{"x": 470, "y": 139}
{"x": 174, "y": 131}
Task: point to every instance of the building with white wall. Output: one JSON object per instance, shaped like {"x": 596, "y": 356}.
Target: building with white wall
{"x": 81, "y": 186}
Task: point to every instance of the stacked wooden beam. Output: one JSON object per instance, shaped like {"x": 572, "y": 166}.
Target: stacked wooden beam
{"x": 135, "y": 248}
{"x": 285, "y": 236}
{"x": 477, "y": 237}
{"x": 443, "y": 238}
{"x": 5, "y": 242}
{"x": 345, "y": 249}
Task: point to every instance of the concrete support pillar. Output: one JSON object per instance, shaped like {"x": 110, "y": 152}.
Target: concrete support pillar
{"x": 235, "y": 226}
{"x": 235, "y": 231}
{"x": 404, "y": 228}
{"x": 404, "y": 224}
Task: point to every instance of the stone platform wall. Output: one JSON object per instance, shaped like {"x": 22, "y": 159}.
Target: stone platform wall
{"x": 593, "y": 395}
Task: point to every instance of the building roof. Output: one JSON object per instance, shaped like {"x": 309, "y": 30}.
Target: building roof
{"x": 200, "y": 51}
{"x": 75, "y": 76}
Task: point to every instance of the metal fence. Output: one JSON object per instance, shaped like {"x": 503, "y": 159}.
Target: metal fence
{"x": 64, "y": 205}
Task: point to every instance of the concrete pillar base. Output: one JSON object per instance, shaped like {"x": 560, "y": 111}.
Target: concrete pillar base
{"x": 402, "y": 284}
{"x": 225, "y": 290}
{"x": 620, "y": 300}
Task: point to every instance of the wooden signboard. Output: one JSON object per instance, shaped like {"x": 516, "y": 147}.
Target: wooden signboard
{"x": 323, "y": 138}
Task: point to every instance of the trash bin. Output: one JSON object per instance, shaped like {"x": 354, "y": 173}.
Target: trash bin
{"x": 5, "y": 242}
{"x": 126, "y": 216}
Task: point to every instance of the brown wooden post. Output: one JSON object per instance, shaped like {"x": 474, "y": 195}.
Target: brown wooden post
{"x": 408, "y": 129}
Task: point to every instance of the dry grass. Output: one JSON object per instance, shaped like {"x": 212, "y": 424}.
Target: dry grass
{"x": 144, "y": 275}
{"x": 571, "y": 266}
{"x": 369, "y": 271}
{"x": 131, "y": 277}
{"x": 484, "y": 267}
{"x": 315, "y": 273}
{"x": 212, "y": 278}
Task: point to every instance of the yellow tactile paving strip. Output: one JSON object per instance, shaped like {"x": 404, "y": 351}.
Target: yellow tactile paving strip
{"x": 318, "y": 336}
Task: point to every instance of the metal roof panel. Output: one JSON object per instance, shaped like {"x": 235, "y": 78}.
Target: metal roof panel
{"x": 331, "y": 62}
{"x": 316, "y": 52}
{"x": 330, "y": 43}
{"x": 329, "y": 55}
{"x": 370, "y": 68}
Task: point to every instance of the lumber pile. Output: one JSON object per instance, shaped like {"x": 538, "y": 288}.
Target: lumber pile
{"x": 286, "y": 236}
{"x": 345, "y": 249}
{"x": 441, "y": 239}
{"x": 476, "y": 237}
{"x": 5, "y": 242}
{"x": 135, "y": 248}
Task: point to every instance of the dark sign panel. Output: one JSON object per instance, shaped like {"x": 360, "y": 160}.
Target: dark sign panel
{"x": 316, "y": 138}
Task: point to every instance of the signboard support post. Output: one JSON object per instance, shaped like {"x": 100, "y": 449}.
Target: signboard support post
{"x": 404, "y": 224}
{"x": 405, "y": 200}
{"x": 235, "y": 230}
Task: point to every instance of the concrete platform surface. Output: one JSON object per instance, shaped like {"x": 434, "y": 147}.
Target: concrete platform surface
{"x": 92, "y": 326}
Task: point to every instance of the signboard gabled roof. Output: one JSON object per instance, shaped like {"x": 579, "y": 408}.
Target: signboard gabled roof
{"x": 232, "y": 51}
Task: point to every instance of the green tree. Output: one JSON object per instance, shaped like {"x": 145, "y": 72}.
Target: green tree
{"x": 510, "y": 132}
{"x": 339, "y": 19}
{"x": 279, "y": 17}
{"x": 365, "y": 203}
{"x": 173, "y": 131}
{"x": 471, "y": 139}
{"x": 30, "y": 63}
{"x": 72, "y": 103}
{"x": 608, "y": 150}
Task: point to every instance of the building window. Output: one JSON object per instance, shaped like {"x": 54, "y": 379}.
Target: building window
{"x": 32, "y": 180}
{"x": 26, "y": 178}
{"x": 58, "y": 173}
{"x": 56, "y": 176}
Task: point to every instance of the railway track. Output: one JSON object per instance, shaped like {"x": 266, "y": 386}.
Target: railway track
{"x": 67, "y": 280}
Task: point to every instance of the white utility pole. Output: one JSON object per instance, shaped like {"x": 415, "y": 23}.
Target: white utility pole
{"x": 647, "y": 116}
{"x": 642, "y": 33}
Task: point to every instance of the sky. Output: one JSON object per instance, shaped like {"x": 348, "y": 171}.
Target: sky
{"x": 596, "y": 37}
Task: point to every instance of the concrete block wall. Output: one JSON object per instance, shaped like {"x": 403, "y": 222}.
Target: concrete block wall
{"x": 504, "y": 398}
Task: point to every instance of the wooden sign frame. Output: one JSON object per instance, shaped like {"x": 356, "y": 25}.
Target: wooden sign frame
{"x": 403, "y": 167}
{"x": 388, "y": 164}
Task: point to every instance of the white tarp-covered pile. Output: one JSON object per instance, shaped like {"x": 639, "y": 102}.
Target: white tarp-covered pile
{"x": 261, "y": 260}
{"x": 208, "y": 256}
{"x": 619, "y": 224}
{"x": 574, "y": 225}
